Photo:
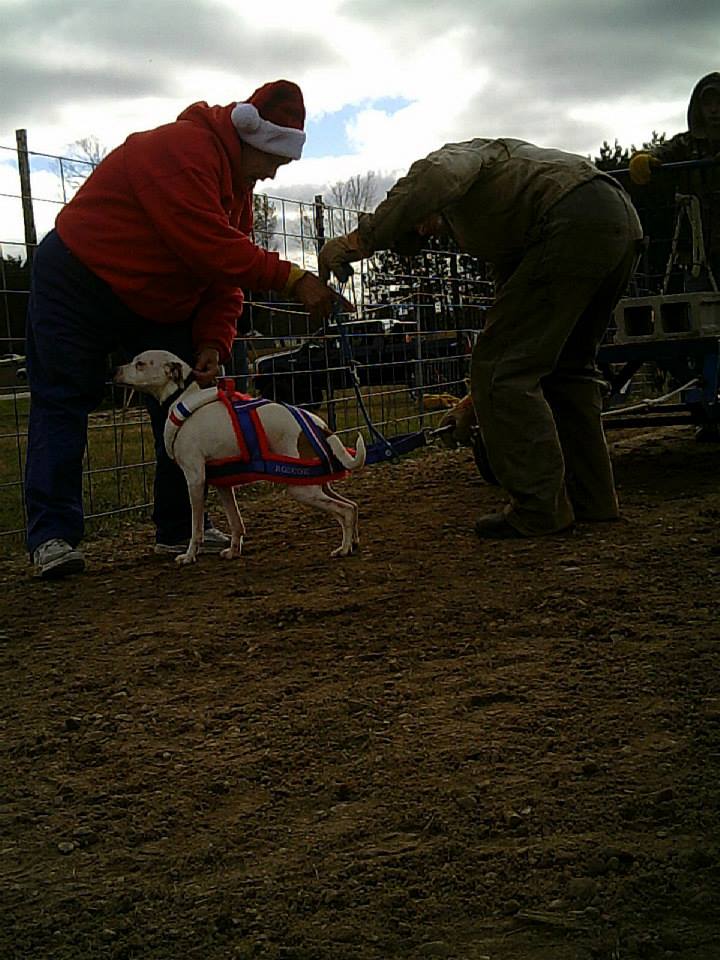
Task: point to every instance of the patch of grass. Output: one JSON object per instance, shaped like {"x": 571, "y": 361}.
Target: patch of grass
{"x": 117, "y": 473}
{"x": 119, "y": 463}
{"x": 393, "y": 409}
{"x": 13, "y": 441}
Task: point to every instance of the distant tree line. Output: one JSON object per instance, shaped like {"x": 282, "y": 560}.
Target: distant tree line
{"x": 14, "y": 286}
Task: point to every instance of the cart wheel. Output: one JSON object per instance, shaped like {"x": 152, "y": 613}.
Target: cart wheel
{"x": 481, "y": 458}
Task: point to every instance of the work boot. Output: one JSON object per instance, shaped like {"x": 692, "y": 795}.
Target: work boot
{"x": 495, "y": 526}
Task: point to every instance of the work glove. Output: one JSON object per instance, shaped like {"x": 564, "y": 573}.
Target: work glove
{"x": 337, "y": 255}
{"x": 641, "y": 167}
{"x": 317, "y": 298}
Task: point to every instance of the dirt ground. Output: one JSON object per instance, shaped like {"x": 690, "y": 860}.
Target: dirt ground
{"x": 436, "y": 748}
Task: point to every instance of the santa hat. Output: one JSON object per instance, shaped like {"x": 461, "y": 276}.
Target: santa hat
{"x": 272, "y": 119}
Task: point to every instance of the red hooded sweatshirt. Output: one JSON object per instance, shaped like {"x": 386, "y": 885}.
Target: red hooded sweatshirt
{"x": 164, "y": 220}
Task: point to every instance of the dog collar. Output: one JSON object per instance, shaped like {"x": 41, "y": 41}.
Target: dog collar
{"x": 180, "y": 409}
{"x": 166, "y": 404}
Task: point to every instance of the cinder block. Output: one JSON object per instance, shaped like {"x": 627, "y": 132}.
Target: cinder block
{"x": 669, "y": 317}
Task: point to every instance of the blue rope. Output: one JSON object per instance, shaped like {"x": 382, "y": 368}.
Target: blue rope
{"x": 388, "y": 449}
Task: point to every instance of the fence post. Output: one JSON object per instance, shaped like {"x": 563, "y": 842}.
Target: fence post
{"x": 319, "y": 222}
{"x": 26, "y": 193}
{"x": 319, "y": 217}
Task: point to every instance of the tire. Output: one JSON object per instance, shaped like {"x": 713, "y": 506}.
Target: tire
{"x": 481, "y": 459}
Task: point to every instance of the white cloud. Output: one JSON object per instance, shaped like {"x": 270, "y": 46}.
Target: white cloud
{"x": 47, "y": 194}
{"x": 558, "y": 73}
{"x": 629, "y": 121}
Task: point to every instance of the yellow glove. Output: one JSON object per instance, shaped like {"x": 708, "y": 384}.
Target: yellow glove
{"x": 296, "y": 273}
{"x": 641, "y": 168}
{"x": 337, "y": 255}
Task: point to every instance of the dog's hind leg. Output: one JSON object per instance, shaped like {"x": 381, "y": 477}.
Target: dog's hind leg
{"x": 235, "y": 522}
{"x": 314, "y": 496}
{"x": 332, "y": 492}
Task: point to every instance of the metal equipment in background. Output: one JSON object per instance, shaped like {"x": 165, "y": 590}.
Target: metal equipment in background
{"x": 668, "y": 343}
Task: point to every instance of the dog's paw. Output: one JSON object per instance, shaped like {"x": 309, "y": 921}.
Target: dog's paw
{"x": 341, "y": 552}
{"x": 233, "y": 551}
{"x": 185, "y": 558}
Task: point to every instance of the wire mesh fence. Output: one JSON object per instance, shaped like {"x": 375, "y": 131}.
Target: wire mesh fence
{"x": 410, "y": 340}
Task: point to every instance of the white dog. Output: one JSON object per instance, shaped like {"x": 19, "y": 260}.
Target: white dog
{"x": 200, "y": 428}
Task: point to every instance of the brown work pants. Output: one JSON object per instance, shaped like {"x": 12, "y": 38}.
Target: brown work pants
{"x": 535, "y": 384}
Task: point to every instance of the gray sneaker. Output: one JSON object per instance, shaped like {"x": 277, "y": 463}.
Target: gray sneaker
{"x": 214, "y": 541}
{"x": 56, "y": 558}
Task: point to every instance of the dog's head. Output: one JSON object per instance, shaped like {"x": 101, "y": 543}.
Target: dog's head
{"x": 153, "y": 371}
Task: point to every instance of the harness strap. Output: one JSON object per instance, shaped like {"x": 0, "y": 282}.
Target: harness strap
{"x": 179, "y": 408}
{"x": 256, "y": 460}
{"x": 316, "y": 438}
{"x": 166, "y": 404}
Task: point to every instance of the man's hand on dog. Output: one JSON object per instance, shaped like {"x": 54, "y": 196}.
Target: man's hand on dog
{"x": 207, "y": 366}
{"x": 317, "y": 298}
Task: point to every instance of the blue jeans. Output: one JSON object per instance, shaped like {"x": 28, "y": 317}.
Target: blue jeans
{"x": 74, "y": 322}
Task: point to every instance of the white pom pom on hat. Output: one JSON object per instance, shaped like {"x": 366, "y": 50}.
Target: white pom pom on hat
{"x": 272, "y": 119}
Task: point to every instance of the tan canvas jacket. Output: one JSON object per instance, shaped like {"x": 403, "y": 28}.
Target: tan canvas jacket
{"x": 493, "y": 193}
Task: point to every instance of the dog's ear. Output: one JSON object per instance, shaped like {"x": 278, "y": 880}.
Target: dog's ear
{"x": 175, "y": 372}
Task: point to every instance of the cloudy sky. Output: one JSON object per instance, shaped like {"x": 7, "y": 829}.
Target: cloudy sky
{"x": 385, "y": 81}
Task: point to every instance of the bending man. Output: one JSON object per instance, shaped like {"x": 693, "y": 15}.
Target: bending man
{"x": 562, "y": 238}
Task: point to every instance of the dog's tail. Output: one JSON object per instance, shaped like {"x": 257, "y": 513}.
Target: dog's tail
{"x": 346, "y": 459}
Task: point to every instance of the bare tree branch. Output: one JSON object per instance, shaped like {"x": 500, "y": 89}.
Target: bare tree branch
{"x": 358, "y": 193}
{"x": 264, "y": 222}
{"x": 86, "y": 154}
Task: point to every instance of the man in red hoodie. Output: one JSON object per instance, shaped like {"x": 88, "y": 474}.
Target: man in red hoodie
{"x": 152, "y": 252}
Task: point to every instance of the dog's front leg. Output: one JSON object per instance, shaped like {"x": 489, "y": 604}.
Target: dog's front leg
{"x": 195, "y": 479}
{"x": 235, "y": 522}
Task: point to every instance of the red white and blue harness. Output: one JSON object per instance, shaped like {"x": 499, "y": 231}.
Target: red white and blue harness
{"x": 255, "y": 459}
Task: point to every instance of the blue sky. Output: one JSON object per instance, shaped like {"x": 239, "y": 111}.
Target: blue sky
{"x": 327, "y": 135}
